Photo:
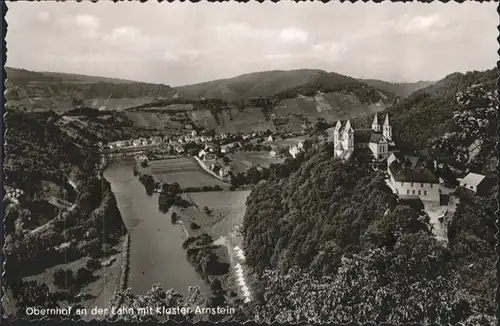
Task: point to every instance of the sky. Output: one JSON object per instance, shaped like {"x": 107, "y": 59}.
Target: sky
{"x": 185, "y": 43}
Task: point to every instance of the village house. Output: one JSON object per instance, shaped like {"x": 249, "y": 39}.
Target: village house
{"x": 296, "y": 149}
{"x": 209, "y": 159}
{"x": 476, "y": 183}
{"x": 179, "y": 149}
{"x": 224, "y": 171}
{"x": 378, "y": 139}
{"x": 408, "y": 177}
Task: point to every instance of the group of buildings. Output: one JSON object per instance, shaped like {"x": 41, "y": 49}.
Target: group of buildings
{"x": 193, "y": 136}
{"x": 409, "y": 175}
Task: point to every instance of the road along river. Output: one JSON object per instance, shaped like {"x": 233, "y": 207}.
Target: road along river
{"x": 156, "y": 256}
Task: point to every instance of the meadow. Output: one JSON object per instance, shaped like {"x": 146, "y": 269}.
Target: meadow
{"x": 184, "y": 171}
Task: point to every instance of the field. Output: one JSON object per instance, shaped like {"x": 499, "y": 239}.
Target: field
{"x": 226, "y": 210}
{"x": 184, "y": 171}
{"x": 242, "y": 161}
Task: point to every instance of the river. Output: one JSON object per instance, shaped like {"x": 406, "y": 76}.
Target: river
{"x": 157, "y": 253}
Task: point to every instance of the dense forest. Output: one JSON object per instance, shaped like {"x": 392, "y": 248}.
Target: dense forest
{"x": 429, "y": 111}
{"x": 332, "y": 234}
{"x": 63, "y": 203}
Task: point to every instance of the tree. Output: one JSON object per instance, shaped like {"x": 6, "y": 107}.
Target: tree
{"x": 63, "y": 278}
{"x": 158, "y": 297}
{"x": 366, "y": 288}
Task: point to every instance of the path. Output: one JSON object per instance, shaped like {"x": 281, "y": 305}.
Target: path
{"x": 435, "y": 211}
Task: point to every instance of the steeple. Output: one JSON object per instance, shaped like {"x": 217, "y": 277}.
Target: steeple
{"x": 387, "y": 132}
{"x": 348, "y": 136}
{"x": 338, "y": 126}
{"x": 348, "y": 127}
{"x": 375, "y": 124}
{"x": 386, "y": 121}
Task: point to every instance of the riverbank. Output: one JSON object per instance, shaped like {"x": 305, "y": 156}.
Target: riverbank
{"x": 156, "y": 253}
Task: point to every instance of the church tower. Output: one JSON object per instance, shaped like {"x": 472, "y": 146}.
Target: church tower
{"x": 336, "y": 133}
{"x": 348, "y": 137}
{"x": 387, "y": 128}
{"x": 375, "y": 124}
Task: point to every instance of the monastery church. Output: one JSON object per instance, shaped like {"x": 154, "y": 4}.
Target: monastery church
{"x": 378, "y": 139}
{"x": 408, "y": 175}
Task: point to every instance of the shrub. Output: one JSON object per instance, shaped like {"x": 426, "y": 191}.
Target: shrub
{"x": 63, "y": 277}
{"x": 93, "y": 264}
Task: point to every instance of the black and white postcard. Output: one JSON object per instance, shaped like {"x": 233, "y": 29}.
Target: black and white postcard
{"x": 267, "y": 162}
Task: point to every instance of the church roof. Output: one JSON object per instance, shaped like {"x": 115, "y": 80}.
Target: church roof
{"x": 376, "y": 137}
{"x": 386, "y": 120}
{"x": 375, "y": 119}
{"x": 362, "y": 135}
{"x": 412, "y": 174}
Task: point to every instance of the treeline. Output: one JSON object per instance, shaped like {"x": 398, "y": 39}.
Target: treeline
{"x": 170, "y": 195}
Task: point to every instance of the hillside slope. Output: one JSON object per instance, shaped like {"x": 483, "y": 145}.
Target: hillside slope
{"x": 275, "y": 100}
{"x": 264, "y": 84}
{"x": 42, "y": 91}
{"x": 331, "y": 236}
{"x": 402, "y": 90}
{"x": 428, "y": 113}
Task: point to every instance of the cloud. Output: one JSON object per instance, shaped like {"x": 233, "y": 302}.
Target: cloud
{"x": 294, "y": 35}
{"x": 279, "y": 56}
{"x": 242, "y": 30}
{"x": 169, "y": 56}
{"x": 408, "y": 24}
{"x": 330, "y": 50}
{"x": 124, "y": 35}
{"x": 89, "y": 25}
{"x": 245, "y": 30}
{"x": 44, "y": 16}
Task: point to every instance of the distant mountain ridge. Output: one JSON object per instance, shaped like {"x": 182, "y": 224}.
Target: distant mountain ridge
{"x": 402, "y": 90}
{"x": 288, "y": 100}
{"x": 29, "y": 90}
{"x": 15, "y": 74}
{"x": 267, "y": 84}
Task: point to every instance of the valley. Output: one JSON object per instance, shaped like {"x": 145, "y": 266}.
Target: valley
{"x": 250, "y": 173}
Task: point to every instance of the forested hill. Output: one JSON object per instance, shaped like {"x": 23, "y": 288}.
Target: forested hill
{"x": 276, "y": 83}
{"x": 402, "y": 90}
{"x": 45, "y": 90}
{"x": 427, "y": 113}
{"x": 330, "y": 243}
{"x": 53, "y": 200}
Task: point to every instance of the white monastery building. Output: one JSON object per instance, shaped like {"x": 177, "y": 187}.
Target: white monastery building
{"x": 409, "y": 178}
{"x": 377, "y": 138}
